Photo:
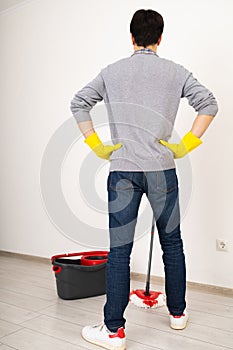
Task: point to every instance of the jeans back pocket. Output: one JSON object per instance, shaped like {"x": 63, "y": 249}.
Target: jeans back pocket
{"x": 120, "y": 180}
{"x": 167, "y": 180}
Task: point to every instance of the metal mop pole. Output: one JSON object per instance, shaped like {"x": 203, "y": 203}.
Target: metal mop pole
{"x": 147, "y": 291}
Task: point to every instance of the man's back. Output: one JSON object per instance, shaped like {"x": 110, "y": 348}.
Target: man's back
{"x": 142, "y": 95}
{"x": 147, "y": 80}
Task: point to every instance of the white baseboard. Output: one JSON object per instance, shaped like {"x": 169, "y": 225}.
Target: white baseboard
{"x": 25, "y": 256}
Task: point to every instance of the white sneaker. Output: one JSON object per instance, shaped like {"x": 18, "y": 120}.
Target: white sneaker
{"x": 179, "y": 322}
{"x": 101, "y": 336}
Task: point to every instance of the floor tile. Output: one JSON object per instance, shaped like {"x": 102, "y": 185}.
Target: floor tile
{"x": 15, "y": 314}
{"x": 27, "y": 339}
{"x": 7, "y": 328}
{"x": 21, "y": 300}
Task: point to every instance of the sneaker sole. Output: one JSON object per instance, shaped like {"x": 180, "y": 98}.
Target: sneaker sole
{"x": 105, "y": 345}
{"x": 179, "y": 327}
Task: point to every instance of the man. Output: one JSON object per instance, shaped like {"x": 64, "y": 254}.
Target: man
{"x": 142, "y": 95}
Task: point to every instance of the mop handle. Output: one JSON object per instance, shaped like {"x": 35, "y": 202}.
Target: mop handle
{"x": 147, "y": 291}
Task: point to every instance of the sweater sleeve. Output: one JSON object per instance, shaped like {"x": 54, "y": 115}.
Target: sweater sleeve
{"x": 199, "y": 97}
{"x": 86, "y": 98}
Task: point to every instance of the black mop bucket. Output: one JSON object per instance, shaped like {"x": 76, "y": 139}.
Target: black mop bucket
{"x": 80, "y": 275}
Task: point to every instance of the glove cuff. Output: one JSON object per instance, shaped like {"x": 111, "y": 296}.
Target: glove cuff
{"x": 191, "y": 141}
{"x": 93, "y": 140}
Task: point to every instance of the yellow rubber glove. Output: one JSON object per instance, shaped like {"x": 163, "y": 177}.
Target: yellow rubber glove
{"x": 186, "y": 145}
{"x": 97, "y": 146}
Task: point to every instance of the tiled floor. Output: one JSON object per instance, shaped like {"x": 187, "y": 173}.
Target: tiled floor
{"x": 32, "y": 317}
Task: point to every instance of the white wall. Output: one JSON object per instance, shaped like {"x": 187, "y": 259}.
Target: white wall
{"x": 50, "y": 49}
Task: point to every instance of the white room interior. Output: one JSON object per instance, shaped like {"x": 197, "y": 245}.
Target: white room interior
{"x": 49, "y": 50}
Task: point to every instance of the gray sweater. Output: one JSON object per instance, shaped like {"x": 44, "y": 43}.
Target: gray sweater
{"x": 142, "y": 95}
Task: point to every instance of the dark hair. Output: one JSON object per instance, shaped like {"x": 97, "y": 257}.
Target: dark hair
{"x": 146, "y": 27}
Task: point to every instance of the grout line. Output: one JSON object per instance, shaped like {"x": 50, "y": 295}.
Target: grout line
{"x": 39, "y": 313}
{"x": 35, "y": 284}
{"x": 59, "y": 319}
{"x": 8, "y": 334}
{"x": 209, "y": 302}
{"x": 21, "y": 323}
{"x": 139, "y": 343}
{"x": 10, "y": 347}
{"x": 25, "y": 309}
{"x": 44, "y": 308}
{"x": 27, "y": 295}
{"x": 17, "y": 324}
{"x": 51, "y": 336}
{"x": 212, "y": 314}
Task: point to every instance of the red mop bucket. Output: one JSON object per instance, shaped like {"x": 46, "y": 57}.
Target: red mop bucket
{"x": 80, "y": 275}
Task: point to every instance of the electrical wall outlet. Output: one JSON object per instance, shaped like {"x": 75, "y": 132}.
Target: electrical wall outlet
{"x": 222, "y": 245}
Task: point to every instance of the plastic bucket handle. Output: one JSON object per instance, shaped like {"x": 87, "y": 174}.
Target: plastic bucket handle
{"x": 56, "y": 269}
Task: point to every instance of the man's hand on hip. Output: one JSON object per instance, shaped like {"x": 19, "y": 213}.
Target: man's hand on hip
{"x": 186, "y": 145}
{"x": 99, "y": 148}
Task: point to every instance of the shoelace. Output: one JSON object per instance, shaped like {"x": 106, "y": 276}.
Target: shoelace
{"x": 101, "y": 325}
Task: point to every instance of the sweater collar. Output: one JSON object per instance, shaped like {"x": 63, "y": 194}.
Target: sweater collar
{"x": 145, "y": 51}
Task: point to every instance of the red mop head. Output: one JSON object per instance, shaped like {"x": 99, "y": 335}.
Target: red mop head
{"x": 153, "y": 300}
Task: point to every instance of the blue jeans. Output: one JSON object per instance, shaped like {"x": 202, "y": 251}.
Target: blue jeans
{"x": 125, "y": 190}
